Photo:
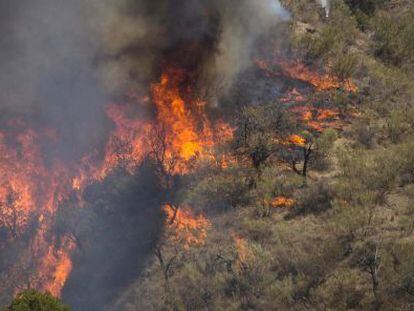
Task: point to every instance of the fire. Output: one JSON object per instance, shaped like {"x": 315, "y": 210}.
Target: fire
{"x": 182, "y": 122}
{"x": 187, "y": 130}
{"x": 298, "y": 71}
{"x": 321, "y": 82}
{"x": 293, "y": 96}
{"x": 58, "y": 264}
{"x": 126, "y": 145}
{"x": 17, "y": 197}
{"x": 282, "y": 201}
{"x": 33, "y": 186}
{"x": 31, "y": 191}
{"x": 187, "y": 229}
{"x": 319, "y": 118}
{"x": 297, "y": 140}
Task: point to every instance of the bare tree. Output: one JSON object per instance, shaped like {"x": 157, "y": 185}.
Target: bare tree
{"x": 10, "y": 214}
{"x": 307, "y": 151}
{"x": 167, "y": 269}
{"x": 165, "y": 161}
{"x": 371, "y": 263}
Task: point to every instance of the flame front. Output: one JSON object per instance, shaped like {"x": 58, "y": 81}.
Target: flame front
{"x": 33, "y": 185}
{"x": 296, "y": 140}
{"x": 322, "y": 82}
{"x": 298, "y": 71}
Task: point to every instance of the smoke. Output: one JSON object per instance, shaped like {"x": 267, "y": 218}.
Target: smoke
{"x": 215, "y": 37}
{"x": 326, "y": 5}
{"x": 242, "y": 25}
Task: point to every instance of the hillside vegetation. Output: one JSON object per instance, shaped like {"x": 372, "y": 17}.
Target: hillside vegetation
{"x": 341, "y": 236}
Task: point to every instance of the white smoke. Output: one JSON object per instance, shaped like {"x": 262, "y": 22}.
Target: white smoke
{"x": 241, "y": 27}
{"x": 325, "y": 4}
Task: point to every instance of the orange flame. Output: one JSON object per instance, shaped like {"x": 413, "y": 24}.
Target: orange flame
{"x": 297, "y": 140}
{"x": 57, "y": 264}
{"x": 282, "y": 201}
{"x": 187, "y": 229}
{"x": 319, "y": 118}
{"x": 188, "y": 132}
{"x": 298, "y": 71}
{"x": 31, "y": 191}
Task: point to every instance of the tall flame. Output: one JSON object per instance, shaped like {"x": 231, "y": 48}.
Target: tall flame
{"x": 187, "y": 129}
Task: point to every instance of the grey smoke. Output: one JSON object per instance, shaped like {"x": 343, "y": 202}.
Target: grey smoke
{"x": 48, "y": 76}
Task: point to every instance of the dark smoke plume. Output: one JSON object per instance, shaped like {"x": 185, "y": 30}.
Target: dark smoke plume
{"x": 217, "y": 36}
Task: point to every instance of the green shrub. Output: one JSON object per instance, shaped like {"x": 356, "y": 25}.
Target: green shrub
{"x": 366, "y": 6}
{"x": 315, "y": 198}
{"x": 364, "y": 132}
{"x": 364, "y": 10}
{"x": 394, "y": 37}
{"x": 224, "y": 190}
{"x": 344, "y": 64}
{"x": 324, "y": 144}
{"x": 31, "y": 300}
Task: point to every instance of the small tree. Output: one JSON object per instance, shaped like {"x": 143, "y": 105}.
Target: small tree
{"x": 300, "y": 150}
{"x": 371, "y": 263}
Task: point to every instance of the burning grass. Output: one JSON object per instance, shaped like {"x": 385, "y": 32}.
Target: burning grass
{"x": 296, "y": 70}
{"x": 185, "y": 228}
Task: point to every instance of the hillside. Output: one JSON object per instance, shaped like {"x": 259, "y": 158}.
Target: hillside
{"x": 264, "y": 235}
{"x": 257, "y": 156}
